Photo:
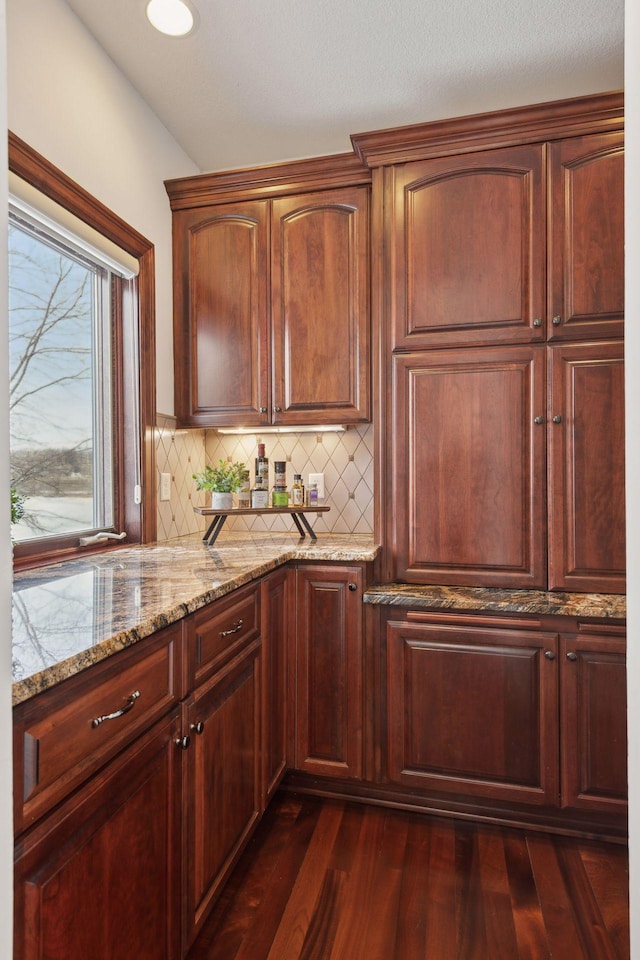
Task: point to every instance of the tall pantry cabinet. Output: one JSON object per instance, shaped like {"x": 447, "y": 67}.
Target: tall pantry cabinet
{"x": 499, "y": 297}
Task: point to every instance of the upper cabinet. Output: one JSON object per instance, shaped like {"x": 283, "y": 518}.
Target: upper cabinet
{"x": 474, "y": 258}
{"x": 271, "y": 318}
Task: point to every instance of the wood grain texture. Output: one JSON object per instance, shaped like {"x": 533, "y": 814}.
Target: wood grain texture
{"x": 331, "y": 880}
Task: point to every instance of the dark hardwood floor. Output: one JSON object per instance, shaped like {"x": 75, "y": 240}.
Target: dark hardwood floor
{"x": 333, "y": 880}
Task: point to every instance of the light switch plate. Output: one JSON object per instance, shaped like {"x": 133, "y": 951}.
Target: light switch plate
{"x": 165, "y": 486}
{"x": 319, "y": 479}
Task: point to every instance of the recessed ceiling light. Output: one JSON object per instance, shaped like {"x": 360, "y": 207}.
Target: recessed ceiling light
{"x": 173, "y": 17}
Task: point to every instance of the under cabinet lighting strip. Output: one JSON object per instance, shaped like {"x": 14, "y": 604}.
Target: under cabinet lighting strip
{"x": 331, "y": 428}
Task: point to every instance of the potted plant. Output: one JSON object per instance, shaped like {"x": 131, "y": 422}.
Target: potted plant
{"x": 222, "y": 480}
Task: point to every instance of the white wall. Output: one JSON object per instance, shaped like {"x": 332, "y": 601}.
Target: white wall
{"x": 632, "y": 351}
{"x": 68, "y": 100}
{"x": 6, "y": 819}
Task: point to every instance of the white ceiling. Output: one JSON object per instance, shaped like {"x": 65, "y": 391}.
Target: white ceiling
{"x": 267, "y": 80}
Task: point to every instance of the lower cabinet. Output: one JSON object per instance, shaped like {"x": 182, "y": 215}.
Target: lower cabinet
{"x": 328, "y": 668}
{"x": 275, "y": 618}
{"x": 222, "y": 787}
{"x": 508, "y": 711}
{"x": 100, "y": 876}
{"x": 473, "y": 710}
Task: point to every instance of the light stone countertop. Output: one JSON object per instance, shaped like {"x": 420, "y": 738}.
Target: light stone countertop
{"x": 69, "y": 615}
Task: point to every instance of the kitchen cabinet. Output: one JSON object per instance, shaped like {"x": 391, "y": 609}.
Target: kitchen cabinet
{"x": 473, "y": 259}
{"x": 468, "y": 466}
{"x": 508, "y": 710}
{"x": 100, "y": 876}
{"x": 272, "y": 310}
{"x": 328, "y": 658}
{"x": 594, "y": 719}
{"x": 473, "y": 710}
{"x": 585, "y": 425}
{"x": 275, "y": 603}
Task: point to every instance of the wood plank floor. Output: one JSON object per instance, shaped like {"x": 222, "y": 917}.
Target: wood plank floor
{"x": 333, "y": 880}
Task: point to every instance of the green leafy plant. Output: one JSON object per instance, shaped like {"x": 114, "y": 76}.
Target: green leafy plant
{"x": 226, "y": 477}
{"x": 17, "y": 506}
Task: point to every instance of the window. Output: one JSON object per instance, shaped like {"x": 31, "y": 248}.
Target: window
{"x": 79, "y": 321}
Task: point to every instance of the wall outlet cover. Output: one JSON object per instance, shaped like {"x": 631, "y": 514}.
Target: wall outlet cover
{"x": 165, "y": 486}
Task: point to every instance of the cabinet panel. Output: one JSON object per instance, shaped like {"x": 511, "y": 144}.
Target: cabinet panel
{"x": 223, "y": 798}
{"x": 586, "y": 468}
{"x": 469, "y": 466}
{"x": 220, "y": 630}
{"x": 329, "y": 670}
{"x": 586, "y": 241}
{"x": 594, "y": 723}
{"x": 100, "y": 877}
{"x": 275, "y": 699}
{"x": 320, "y": 307}
{"x": 473, "y": 711}
{"x": 467, "y": 248}
{"x": 221, "y": 318}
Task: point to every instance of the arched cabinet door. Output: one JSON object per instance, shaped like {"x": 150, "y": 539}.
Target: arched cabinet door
{"x": 586, "y": 239}
{"x": 320, "y": 307}
{"x": 221, "y": 315}
{"x": 466, "y": 251}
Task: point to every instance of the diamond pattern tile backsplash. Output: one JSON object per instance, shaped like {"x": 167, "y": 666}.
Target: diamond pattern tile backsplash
{"x": 346, "y": 459}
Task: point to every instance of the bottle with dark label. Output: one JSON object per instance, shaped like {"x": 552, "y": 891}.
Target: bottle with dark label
{"x": 262, "y": 469}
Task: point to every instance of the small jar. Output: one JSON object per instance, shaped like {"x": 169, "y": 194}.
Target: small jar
{"x": 244, "y": 493}
{"x": 312, "y": 495}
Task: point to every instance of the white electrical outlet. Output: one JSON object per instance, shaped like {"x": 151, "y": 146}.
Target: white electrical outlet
{"x": 318, "y": 478}
{"x": 165, "y": 486}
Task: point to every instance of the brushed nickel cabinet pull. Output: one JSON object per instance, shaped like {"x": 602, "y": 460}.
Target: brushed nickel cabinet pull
{"x": 549, "y": 654}
{"x": 557, "y": 320}
{"x": 538, "y": 420}
{"x": 129, "y": 705}
{"x": 572, "y": 656}
{"x": 234, "y": 629}
{"x": 557, "y": 418}
{"x": 537, "y": 322}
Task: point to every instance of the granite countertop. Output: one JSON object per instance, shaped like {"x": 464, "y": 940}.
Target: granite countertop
{"x": 591, "y": 605}
{"x": 69, "y": 615}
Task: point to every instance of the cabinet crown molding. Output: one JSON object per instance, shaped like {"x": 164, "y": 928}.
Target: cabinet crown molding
{"x": 262, "y": 183}
{"x": 598, "y": 113}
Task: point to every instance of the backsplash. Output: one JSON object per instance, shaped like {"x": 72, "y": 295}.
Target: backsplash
{"x": 346, "y": 459}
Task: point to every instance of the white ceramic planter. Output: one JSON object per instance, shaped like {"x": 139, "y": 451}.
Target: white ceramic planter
{"x": 221, "y": 501}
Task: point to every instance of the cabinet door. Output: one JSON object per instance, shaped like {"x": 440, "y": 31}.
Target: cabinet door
{"x": 594, "y": 729}
{"x": 586, "y": 237}
{"x": 586, "y": 468}
{"x": 473, "y": 711}
{"x": 275, "y": 699}
{"x": 221, "y": 321}
{"x": 100, "y": 877}
{"x": 329, "y": 671}
{"x": 468, "y": 464}
{"x": 223, "y": 797}
{"x": 466, "y": 256}
{"x": 320, "y": 307}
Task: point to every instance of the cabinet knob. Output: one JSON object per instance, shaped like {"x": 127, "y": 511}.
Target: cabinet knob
{"x": 183, "y": 742}
{"x": 549, "y": 654}
{"x": 198, "y": 727}
{"x": 537, "y": 322}
{"x": 277, "y": 409}
{"x": 557, "y": 320}
{"x": 353, "y": 586}
{"x": 572, "y": 656}
{"x": 262, "y": 409}
{"x": 538, "y": 420}
{"x": 557, "y": 418}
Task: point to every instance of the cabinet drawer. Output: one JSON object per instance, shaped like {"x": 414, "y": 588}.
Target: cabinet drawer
{"x": 219, "y": 631}
{"x": 70, "y": 731}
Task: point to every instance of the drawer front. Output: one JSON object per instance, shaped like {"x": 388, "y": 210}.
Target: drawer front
{"x": 70, "y": 731}
{"x": 220, "y": 630}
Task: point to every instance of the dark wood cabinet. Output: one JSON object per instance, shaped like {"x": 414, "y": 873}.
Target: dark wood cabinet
{"x": 271, "y": 312}
{"x": 328, "y": 647}
{"x": 473, "y": 710}
{"x": 468, "y": 461}
{"x": 586, "y": 237}
{"x": 100, "y": 877}
{"x": 222, "y": 794}
{"x": 466, "y": 248}
{"x": 275, "y": 601}
{"x": 593, "y": 734}
{"x": 586, "y": 467}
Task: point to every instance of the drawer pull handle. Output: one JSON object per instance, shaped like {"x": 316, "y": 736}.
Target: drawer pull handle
{"x": 129, "y": 705}
{"x": 238, "y": 625}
